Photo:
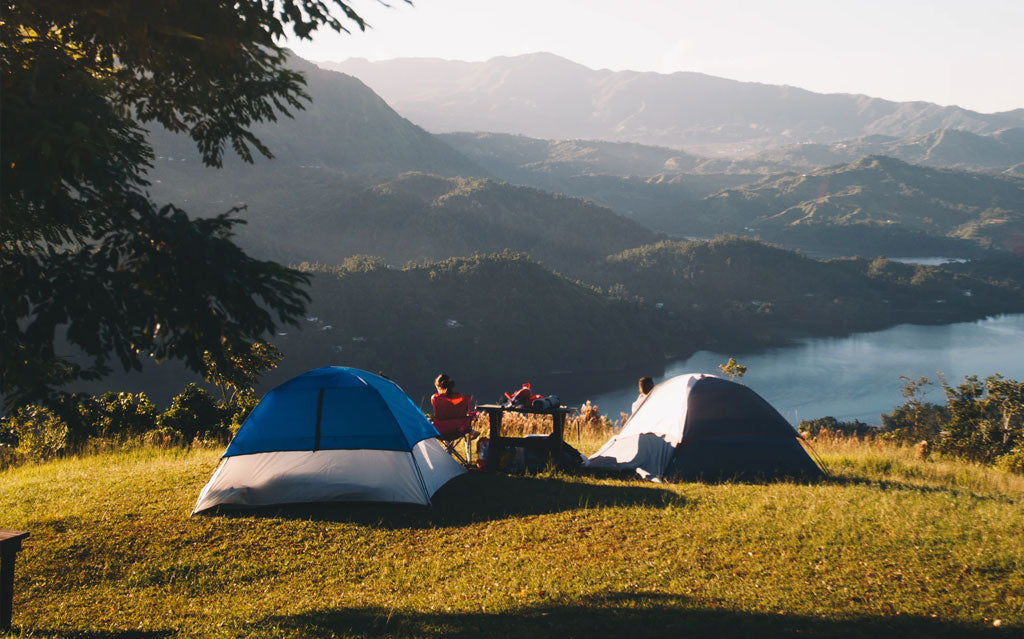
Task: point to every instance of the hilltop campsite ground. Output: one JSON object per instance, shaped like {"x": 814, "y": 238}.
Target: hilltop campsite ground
{"x": 888, "y": 545}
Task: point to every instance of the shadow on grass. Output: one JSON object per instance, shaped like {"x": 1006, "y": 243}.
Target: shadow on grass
{"x": 636, "y": 616}
{"x": 839, "y": 479}
{"x": 88, "y": 634}
{"x": 889, "y": 484}
{"x": 476, "y": 497}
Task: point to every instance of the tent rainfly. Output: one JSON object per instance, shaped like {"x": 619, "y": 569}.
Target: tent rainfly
{"x": 702, "y": 426}
{"x": 331, "y": 434}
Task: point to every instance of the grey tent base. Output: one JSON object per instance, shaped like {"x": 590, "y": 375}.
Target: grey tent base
{"x": 741, "y": 457}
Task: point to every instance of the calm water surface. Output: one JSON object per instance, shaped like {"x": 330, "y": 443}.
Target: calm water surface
{"x": 858, "y": 377}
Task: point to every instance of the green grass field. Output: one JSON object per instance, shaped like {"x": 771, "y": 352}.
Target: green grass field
{"x": 888, "y": 546}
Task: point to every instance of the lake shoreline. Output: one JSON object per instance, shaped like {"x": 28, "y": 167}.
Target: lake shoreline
{"x": 858, "y": 373}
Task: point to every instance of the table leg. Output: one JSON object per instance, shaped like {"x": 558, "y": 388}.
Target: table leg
{"x": 557, "y": 434}
{"x": 494, "y": 446}
{"x": 6, "y": 588}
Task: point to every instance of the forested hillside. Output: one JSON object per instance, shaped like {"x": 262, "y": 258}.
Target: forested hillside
{"x": 744, "y": 289}
{"x": 508, "y": 315}
{"x": 476, "y": 317}
{"x": 316, "y": 215}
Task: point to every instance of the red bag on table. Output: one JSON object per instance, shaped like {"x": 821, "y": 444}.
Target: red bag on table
{"x": 522, "y": 397}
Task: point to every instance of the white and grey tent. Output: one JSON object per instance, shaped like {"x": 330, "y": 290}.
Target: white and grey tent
{"x": 331, "y": 434}
{"x": 702, "y": 426}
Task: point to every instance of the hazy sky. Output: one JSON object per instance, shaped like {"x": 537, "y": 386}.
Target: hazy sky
{"x": 965, "y": 52}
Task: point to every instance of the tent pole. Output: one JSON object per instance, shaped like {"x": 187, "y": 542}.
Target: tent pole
{"x": 419, "y": 475}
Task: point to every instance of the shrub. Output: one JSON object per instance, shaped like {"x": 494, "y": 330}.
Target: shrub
{"x": 1012, "y": 461}
{"x": 116, "y": 415}
{"x": 40, "y": 434}
{"x": 591, "y": 420}
{"x": 986, "y": 418}
{"x": 239, "y": 410}
{"x": 812, "y": 428}
{"x": 194, "y": 413}
{"x": 914, "y": 422}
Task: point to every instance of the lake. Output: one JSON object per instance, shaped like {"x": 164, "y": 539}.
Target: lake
{"x": 858, "y": 377}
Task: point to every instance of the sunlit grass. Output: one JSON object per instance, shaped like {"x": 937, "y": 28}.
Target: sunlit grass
{"x": 889, "y": 545}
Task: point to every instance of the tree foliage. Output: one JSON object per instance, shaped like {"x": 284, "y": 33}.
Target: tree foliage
{"x": 194, "y": 413}
{"x": 91, "y": 269}
{"x": 733, "y": 369}
{"x": 986, "y": 417}
{"x": 243, "y": 370}
{"x": 983, "y": 420}
{"x": 914, "y": 420}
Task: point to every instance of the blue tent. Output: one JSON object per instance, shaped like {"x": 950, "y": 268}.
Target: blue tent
{"x": 331, "y": 434}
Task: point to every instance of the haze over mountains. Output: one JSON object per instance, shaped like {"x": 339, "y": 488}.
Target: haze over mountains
{"x": 491, "y": 215}
{"x": 543, "y": 95}
{"x": 526, "y": 158}
{"x": 334, "y": 188}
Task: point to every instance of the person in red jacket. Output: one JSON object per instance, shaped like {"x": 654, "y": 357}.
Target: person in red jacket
{"x": 453, "y": 411}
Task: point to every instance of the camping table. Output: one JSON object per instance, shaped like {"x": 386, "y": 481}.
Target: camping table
{"x": 552, "y": 443}
{"x": 10, "y": 544}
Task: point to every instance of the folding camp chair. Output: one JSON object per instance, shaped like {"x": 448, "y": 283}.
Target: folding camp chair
{"x": 454, "y": 422}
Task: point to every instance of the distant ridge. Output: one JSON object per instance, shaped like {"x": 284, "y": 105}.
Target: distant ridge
{"x": 346, "y": 127}
{"x": 953, "y": 148}
{"x": 543, "y": 95}
{"x": 878, "y": 195}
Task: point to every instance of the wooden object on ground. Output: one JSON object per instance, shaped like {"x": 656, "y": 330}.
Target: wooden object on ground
{"x": 10, "y": 544}
{"x": 498, "y": 444}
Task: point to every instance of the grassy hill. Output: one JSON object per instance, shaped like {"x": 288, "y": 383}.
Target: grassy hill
{"x": 888, "y": 546}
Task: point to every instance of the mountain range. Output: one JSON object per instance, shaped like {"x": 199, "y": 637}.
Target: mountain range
{"x": 869, "y": 205}
{"x": 435, "y": 250}
{"x": 543, "y": 95}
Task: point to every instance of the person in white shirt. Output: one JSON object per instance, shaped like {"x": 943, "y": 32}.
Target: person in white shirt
{"x": 646, "y": 384}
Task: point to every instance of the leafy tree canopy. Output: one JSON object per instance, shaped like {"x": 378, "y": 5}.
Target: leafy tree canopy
{"x": 91, "y": 269}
